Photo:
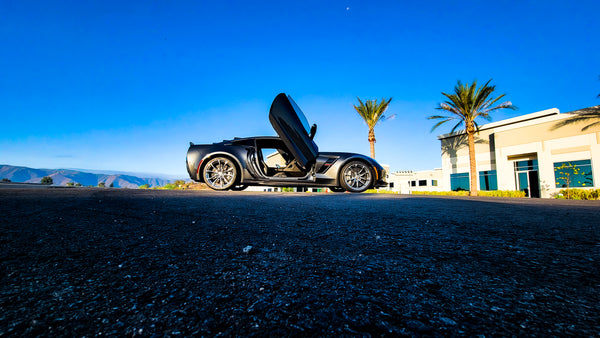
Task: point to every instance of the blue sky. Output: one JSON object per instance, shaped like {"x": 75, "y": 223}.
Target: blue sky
{"x": 125, "y": 85}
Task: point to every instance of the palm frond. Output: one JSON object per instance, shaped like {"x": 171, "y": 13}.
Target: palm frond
{"x": 372, "y": 111}
{"x": 460, "y": 123}
{"x": 433, "y": 117}
{"x": 450, "y": 107}
{"x": 385, "y": 118}
{"x": 581, "y": 116}
{"x": 469, "y": 102}
{"x": 446, "y": 119}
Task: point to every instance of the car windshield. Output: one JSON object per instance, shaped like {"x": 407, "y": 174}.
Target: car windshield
{"x": 300, "y": 115}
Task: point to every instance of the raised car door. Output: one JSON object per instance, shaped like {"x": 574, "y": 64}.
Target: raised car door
{"x": 292, "y": 127}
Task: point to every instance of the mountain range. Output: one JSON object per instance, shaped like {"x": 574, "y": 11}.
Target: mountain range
{"x": 64, "y": 176}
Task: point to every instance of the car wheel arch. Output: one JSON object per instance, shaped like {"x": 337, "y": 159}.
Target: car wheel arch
{"x": 356, "y": 159}
{"x": 231, "y": 157}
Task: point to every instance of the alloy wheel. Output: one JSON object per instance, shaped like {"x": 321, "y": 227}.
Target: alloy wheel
{"x": 220, "y": 173}
{"x": 356, "y": 177}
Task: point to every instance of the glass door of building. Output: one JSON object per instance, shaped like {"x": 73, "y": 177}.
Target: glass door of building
{"x": 527, "y": 177}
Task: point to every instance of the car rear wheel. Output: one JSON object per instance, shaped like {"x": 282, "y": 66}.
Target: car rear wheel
{"x": 356, "y": 176}
{"x": 220, "y": 173}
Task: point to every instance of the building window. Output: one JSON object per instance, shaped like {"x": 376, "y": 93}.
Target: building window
{"x": 434, "y": 183}
{"x": 459, "y": 181}
{"x": 526, "y": 165}
{"x": 413, "y": 183}
{"x": 391, "y": 185}
{"x": 573, "y": 174}
{"x": 488, "y": 180}
{"x": 422, "y": 183}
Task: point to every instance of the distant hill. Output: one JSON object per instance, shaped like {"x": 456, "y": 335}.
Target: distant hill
{"x": 64, "y": 176}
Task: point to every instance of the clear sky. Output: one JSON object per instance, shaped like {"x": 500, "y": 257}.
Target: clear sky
{"x": 125, "y": 85}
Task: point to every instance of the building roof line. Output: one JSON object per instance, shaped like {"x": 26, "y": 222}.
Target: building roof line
{"x": 506, "y": 122}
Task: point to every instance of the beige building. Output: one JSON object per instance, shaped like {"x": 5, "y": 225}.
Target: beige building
{"x": 525, "y": 153}
{"x": 408, "y": 181}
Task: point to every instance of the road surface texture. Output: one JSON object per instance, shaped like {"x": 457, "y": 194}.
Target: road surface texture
{"x": 96, "y": 262}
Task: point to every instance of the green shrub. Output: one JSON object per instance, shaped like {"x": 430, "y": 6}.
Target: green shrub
{"x": 442, "y": 193}
{"x": 502, "y": 193}
{"x": 490, "y": 193}
{"x": 380, "y": 191}
{"x": 579, "y": 194}
{"x": 144, "y": 186}
{"x": 47, "y": 180}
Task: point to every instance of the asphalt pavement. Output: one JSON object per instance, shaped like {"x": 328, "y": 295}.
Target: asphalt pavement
{"x": 93, "y": 261}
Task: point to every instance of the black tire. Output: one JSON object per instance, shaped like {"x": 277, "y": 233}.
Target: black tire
{"x": 220, "y": 173}
{"x": 239, "y": 187}
{"x": 356, "y": 176}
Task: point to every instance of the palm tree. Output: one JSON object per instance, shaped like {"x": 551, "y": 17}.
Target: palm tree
{"x": 591, "y": 114}
{"x": 465, "y": 105}
{"x": 372, "y": 113}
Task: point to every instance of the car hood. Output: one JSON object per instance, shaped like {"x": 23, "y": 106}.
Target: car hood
{"x": 292, "y": 127}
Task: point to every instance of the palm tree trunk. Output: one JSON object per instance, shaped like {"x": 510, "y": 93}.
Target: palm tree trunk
{"x": 472, "y": 163}
{"x": 372, "y": 149}
{"x": 372, "y": 142}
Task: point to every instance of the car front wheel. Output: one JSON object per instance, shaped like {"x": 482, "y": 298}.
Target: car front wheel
{"x": 220, "y": 173}
{"x": 356, "y": 176}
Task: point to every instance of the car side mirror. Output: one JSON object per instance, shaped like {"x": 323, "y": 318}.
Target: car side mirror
{"x": 313, "y": 131}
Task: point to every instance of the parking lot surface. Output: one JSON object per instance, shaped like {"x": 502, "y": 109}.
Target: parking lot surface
{"x": 90, "y": 262}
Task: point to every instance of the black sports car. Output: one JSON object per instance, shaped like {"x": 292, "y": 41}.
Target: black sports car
{"x": 290, "y": 160}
